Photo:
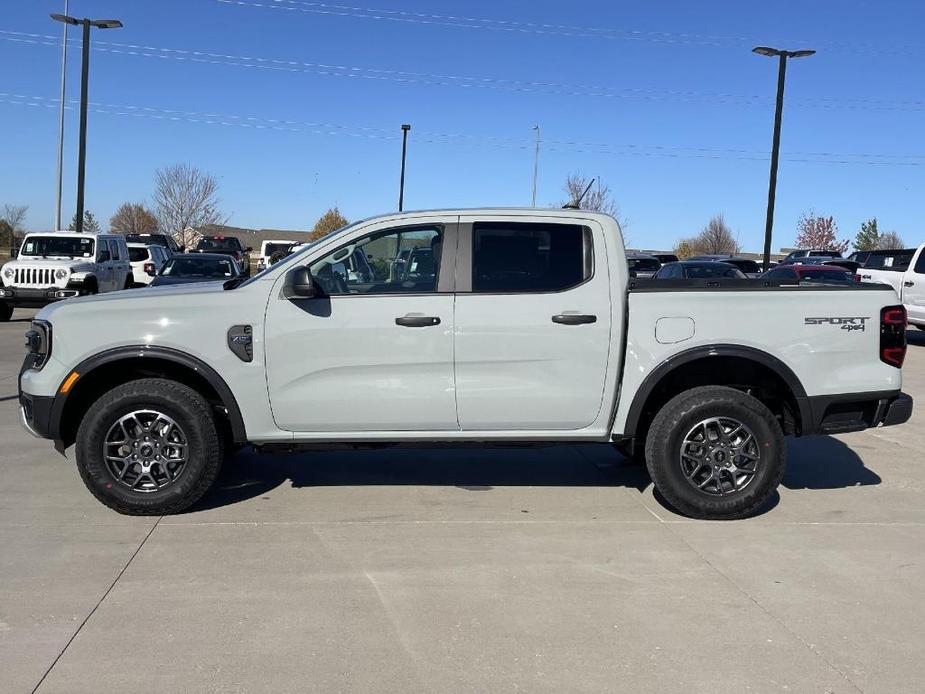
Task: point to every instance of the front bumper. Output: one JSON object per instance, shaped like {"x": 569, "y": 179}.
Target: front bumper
{"x": 35, "y": 414}
{"x": 23, "y": 297}
{"x": 840, "y": 414}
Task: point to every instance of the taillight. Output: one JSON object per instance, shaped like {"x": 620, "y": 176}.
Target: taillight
{"x": 893, "y": 335}
{"x": 149, "y": 268}
{"x": 857, "y": 277}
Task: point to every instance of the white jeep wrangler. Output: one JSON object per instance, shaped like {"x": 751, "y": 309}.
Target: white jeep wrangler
{"x": 59, "y": 265}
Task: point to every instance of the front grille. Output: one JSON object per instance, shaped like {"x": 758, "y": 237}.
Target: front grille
{"x": 34, "y": 277}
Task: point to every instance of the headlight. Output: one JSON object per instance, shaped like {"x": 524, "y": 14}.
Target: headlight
{"x": 38, "y": 343}
{"x": 8, "y": 273}
{"x": 61, "y": 274}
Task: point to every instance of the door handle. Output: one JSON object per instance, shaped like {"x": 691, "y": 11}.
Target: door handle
{"x": 417, "y": 321}
{"x": 573, "y": 319}
{"x": 908, "y": 283}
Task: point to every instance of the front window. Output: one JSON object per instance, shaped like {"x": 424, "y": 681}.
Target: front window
{"x": 746, "y": 266}
{"x": 205, "y": 268}
{"x": 57, "y": 246}
{"x": 392, "y": 261}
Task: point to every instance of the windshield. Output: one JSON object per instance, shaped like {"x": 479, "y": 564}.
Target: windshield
{"x": 136, "y": 255}
{"x": 644, "y": 264}
{"x": 155, "y": 239}
{"x": 225, "y": 243}
{"x": 297, "y": 252}
{"x": 273, "y": 248}
{"x": 60, "y": 246}
{"x": 217, "y": 268}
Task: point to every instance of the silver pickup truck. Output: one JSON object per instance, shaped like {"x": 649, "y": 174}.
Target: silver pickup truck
{"x": 508, "y": 327}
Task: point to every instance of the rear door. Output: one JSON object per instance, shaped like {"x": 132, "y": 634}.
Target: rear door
{"x": 533, "y": 323}
{"x": 913, "y": 291}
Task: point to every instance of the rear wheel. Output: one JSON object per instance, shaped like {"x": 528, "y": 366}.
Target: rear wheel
{"x": 149, "y": 447}
{"x": 715, "y": 453}
{"x": 6, "y": 312}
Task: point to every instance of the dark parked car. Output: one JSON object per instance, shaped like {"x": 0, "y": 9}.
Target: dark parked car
{"x": 747, "y": 267}
{"x": 165, "y": 240}
{"x": 663, "y": 257}
{"x": 698, "y": 269}
{"x": 800, "y": 254}
{"x": 810, "y": 274}
{"x": 227, "y": 245}
{"x": 186, "y": 268}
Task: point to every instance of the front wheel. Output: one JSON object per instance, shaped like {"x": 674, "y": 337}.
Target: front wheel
{"x": 149, "y": 447}
{"x": 715, "y": 453}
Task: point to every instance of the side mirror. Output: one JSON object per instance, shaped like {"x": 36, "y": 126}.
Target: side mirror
{"x": 299, "y": 284}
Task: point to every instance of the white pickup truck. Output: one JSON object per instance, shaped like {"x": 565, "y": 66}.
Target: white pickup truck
{"x": 908, "y": 279}
{"x": 523, "y": 328}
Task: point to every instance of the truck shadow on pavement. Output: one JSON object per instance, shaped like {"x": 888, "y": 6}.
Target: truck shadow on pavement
{"x": 818, "y": 462}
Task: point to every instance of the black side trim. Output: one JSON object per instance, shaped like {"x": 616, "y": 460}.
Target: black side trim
{"x": 38, "y": 413}
{"x": 839, "y": 414}
{"x": 666, "y": 367}
{"x": 217, "y": 382}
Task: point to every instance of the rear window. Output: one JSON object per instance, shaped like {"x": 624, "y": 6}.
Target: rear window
{"x": 225, "y": 243}
{"x": 206, "y": 268}
{"x": 708, "y": 270}
{"x": 898, "y": 260}
{"x": 526, "y": 257}
{"x": 825, "y": 254}
{"x": 273, "y": 248}
{"x": 137, "y": 255}
{"x": 156, "y": 239}
{"x": 644, "y": 264}
{"x": 822, "y": 276}
{"x": 747, "y": 266}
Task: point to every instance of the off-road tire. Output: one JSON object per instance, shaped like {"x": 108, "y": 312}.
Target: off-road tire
{"x": 677, "y": 418}
{"x": 6, "y": 312}
{"x": 188, "y": 409}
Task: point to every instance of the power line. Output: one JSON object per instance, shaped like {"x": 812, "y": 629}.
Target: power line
{"x": 460, "y": 139}
{"x": 448, "y": 80}
{"x": 512, "y": 26}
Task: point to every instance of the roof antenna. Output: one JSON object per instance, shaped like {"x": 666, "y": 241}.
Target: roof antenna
{"x": 576, "y": 204}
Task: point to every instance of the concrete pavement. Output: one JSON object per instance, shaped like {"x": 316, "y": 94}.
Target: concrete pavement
{"x": 552, "y": 570}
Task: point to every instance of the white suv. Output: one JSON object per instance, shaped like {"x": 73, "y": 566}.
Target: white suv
{"x": 146, "y": 261}
{"x": 57, "y": 265}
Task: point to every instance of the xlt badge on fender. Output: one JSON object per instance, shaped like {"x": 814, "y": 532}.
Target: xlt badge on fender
{"x": 848, "y": 323}
{"x": 241, "y": 342}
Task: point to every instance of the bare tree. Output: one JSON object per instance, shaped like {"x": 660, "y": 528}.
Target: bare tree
{"x": 14, "y": 216}
{"x": 599, "y": 197}
{"x": 133, "y": 218}
{"x": 185, "y": 200}
{"x": 889, "y": 241}
{"x": 716, "y": 238}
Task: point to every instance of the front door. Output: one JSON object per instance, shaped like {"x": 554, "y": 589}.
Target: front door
{"x": 533, "y": 318}
{"x": 374, "y": 352}
{"x": 914, "y": 290}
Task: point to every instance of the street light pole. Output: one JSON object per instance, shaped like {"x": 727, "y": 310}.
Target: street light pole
{"x": 775, "y": 147}
{"x": 404, "y": 150}
{"x": 84, "y": 95}
{"x": 536, "y": 163}
{"x": 61, "y": 123}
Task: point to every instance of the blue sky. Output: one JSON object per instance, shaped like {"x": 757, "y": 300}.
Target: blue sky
{"x": 296, "y": 106}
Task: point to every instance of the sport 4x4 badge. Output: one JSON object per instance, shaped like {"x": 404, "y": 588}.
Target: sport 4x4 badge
{"x": 848, "y": 323}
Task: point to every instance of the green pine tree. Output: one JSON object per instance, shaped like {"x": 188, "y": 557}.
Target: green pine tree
{"x": 91, "y": 226}
{"x": 868, "y": 238}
